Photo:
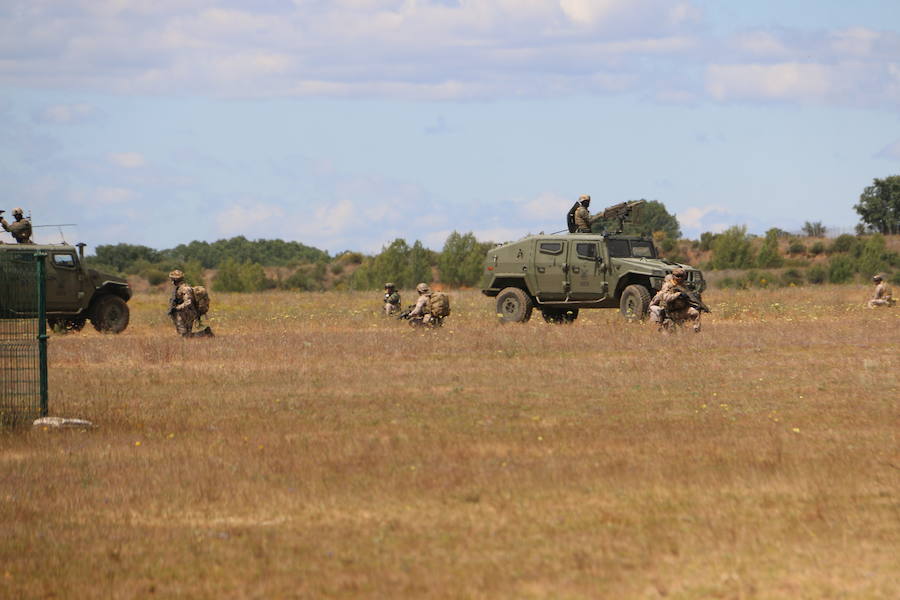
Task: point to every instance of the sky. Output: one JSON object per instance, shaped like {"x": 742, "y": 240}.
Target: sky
{"x": 345, "y": 124}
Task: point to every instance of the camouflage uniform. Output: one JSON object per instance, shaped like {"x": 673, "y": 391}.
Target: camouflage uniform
{"x": 20, "y": 228}
{"x": 421, "y": 313}
{"x": 583, "y": 219}
{"x": 677, "y": 310}
{"x": 181, "y": 305}
{"x": 883, "y": 295}
{"x": 391, "y": 299}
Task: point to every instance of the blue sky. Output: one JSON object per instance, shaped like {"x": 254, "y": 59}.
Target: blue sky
{"x": 346, "y": 123}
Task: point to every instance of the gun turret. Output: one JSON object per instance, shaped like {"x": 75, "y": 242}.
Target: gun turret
{"x": 622, "y": 212}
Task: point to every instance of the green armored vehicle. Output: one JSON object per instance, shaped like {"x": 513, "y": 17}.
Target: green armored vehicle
{"x": 561, "y": 274}
{"x": 75, "y": 293}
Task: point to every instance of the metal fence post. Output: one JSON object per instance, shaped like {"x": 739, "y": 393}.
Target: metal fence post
{"x": 41, "y": 265}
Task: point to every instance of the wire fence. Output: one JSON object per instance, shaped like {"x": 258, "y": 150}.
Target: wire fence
{"x": 23, "y": 336}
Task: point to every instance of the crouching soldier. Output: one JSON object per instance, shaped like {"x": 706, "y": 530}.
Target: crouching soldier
{"x": 391, "y": 300}
{"x": 882, "y": 295}
{"x": 431, "y": 308}
{"x": 672, "y": 306}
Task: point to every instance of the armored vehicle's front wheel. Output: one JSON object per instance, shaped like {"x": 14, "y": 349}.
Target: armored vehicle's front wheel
{"x": 635, "y": 302}
{"x": 562, "y": 316}
{"x": 110, "y": 315}
{"x": 514, "y": 305}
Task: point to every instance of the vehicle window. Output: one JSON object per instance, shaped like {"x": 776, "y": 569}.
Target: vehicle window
{"x": 641, "y": 249}
{"x": 586, "y": 250}
{"x": 64, "y": 260}
{"x": 618, "y": 248}
{"x": 551, "y": 247}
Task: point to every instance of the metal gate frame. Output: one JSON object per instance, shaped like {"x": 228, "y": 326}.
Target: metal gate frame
{"x": 24, "y": 388}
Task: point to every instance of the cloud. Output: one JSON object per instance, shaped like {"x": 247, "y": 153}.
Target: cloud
{"x": 248, "y": 219}
{"x": 891, "y": 151}
{"x": 434, "y": 50}
{"x": 65, "y": 114}
{"x": 106, "y": 197}
{"x": 128, "y": 160}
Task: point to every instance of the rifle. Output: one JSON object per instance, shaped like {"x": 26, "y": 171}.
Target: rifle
{"x": 405, "y": 314}
{"x": 695, "y": 301}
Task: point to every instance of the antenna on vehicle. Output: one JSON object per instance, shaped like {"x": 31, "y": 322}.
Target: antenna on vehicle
{"x": 60, "y": 226}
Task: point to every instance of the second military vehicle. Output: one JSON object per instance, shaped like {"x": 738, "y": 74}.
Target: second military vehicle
{"x": 75, "y": 293}
{"x": 560, "y": 274}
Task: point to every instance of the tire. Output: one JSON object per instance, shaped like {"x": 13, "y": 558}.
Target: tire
{"x": 560, "y": 316}
{"x": 514, "y": 305}
{"x": 110, "y": 314}
{"x": 635, "y": 303}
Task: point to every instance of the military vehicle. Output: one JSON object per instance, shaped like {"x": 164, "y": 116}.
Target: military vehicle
{"x": 560, "y": 274}
{"x": 75, "y": 293}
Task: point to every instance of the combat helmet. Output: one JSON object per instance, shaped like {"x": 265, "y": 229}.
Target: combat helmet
{"x": 422, "y": 288}
{"x": 389, "y": 286}
{"x": 176, "y": 275}
{"x": 17, "y": 212}
{"x": 678, "y": 273}
{"x": 584, "y": 199}
{"x": 877, "y": 277}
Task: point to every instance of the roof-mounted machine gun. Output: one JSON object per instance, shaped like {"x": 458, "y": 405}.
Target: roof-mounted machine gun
{"x": 624, "y": 212}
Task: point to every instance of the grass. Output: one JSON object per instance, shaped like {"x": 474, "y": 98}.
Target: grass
{"x": 314, "y": 449}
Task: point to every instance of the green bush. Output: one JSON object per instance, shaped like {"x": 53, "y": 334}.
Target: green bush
{"x": 796, "y": 247}
{"x": 817, "y": 248}
{"x": 337, "y": 268}
{"x": 154, "y": 276}
{"x": 769, "y": 256}
{"x": 841, "y": 269}
{"x": 791, "y": 277}
{"x": 817, "y": 274}
{"x": 732, "y": 249}
{"x": 844, "y": 243}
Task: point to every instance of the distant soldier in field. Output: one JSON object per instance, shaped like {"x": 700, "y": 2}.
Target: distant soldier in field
{"x": 671, "y": 305}
{"x": 882, "y": 295}
{"x": 420, "y": 313}
{"x": 391, "y": 299}
{"x": 181, "y": 304}
{"x": 20, "y": 228}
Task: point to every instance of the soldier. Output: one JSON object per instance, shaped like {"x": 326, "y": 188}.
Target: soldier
{"x": 20, "y": 228}
{"x": 421, "y": 313}
{"x": 882, "y": 296}
{"x": 181, "y": 305}
{"x": 670, "y": 306}
{"x": 391, "y": 299}
{"x": 583, "y": 219}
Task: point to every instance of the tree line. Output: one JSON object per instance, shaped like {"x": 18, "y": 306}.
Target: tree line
{"x": 254, "y": 265}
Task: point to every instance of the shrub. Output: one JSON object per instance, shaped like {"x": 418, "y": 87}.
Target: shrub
{"x": 796, "y": 247}
{"x": 154, "y": 276}
{"x": 732, "y": 249}
{"x": 844, "y": 243}
{"x": 817, "y": 248}
{"x": 791, "y": 277}
{"x": 817, "y": 274}
{"x": 769, "y": 256}
{"x": 337, "y": 268}
{"x": 841, "y": 269}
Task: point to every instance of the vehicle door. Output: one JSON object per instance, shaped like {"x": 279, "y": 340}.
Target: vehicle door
{"x": 587, "y": 265}
{"x": 64, "y": 282}
{"x": 551, "y": 269}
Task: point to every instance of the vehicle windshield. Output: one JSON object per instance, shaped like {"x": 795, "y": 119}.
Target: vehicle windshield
{"x": 630, "y": 249}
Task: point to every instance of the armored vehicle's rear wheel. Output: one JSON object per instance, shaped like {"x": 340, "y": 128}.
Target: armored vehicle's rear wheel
{"x": 514, "y": 305}
{"x": 635, "y": 302}
{"x": 110, "y": 315}
{"x": 562, "y": 316}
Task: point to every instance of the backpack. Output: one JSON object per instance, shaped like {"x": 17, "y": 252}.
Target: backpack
{"x": 439, "y": 304}
{"x": 570, "y": 217}
{"x": 201, "y": 299}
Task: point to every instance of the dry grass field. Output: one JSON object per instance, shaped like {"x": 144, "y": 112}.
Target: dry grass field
{"x": 316, "y": 450}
